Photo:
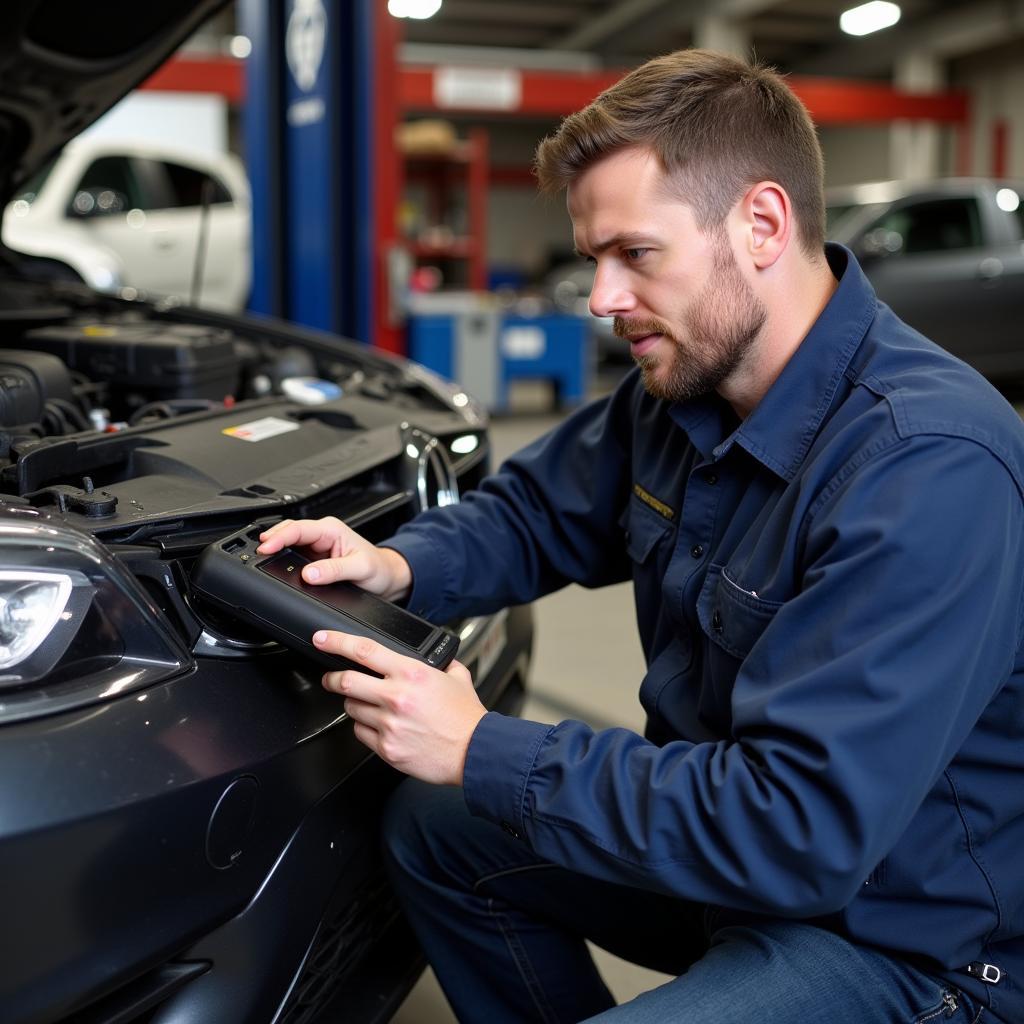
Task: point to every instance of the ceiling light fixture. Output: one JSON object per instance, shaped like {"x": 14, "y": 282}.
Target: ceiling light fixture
{"x": 418, "y": 9}
{"x": 867, "y": 18}
{"x": 240, "y": 47}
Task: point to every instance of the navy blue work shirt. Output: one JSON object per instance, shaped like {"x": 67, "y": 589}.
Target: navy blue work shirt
{"x": 829, "y": 599}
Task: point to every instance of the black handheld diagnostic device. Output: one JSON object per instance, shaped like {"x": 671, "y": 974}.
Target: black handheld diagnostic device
{"x": 268, "y": 592}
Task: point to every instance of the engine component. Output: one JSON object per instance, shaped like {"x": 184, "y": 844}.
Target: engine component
{"x": 28, "y": 380}
{"x": 146, "y": 362}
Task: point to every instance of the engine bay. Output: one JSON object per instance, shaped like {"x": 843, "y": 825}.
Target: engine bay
{"x": 120, "y": 414}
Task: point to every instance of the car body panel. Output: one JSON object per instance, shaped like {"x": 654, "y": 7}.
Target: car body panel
{"x": 147, "y": 880}
{"x": 189, "y": 828}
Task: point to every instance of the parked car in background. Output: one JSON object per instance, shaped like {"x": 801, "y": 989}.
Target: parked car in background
{"x": 189, "y": 827}
{"x": 162, "y": 220}
{"x": 948, "y": 257}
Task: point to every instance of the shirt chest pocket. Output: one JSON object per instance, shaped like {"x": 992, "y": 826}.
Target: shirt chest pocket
{"x": 731, "y": 616}
{"x": 647, "y": 540}
{"x": 643, "y": 531}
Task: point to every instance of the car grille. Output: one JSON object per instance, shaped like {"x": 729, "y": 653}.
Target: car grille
{"x": 341, "y": 944}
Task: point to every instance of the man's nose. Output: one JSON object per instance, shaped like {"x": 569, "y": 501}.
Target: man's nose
{"x": 609, "y": 295}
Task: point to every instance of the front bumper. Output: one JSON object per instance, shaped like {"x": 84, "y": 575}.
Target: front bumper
{"x": 143, "y": 886}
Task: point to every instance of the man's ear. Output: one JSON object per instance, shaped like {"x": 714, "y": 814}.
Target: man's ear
{"x": 768, "y": 219}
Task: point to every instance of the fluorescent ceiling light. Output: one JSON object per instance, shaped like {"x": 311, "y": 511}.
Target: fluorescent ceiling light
{"x": 414, "y": 8}
{"x": 867, "y": 18}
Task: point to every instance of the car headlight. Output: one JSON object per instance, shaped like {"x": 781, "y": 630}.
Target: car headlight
{"x": 33, "y": 607}
{"x": 472, "y": 411}
{"x": 75, "y": 626}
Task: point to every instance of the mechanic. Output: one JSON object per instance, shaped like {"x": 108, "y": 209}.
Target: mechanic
{"x": 822, "y": 515}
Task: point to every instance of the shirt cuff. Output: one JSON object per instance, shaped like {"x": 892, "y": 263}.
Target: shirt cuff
{"x": 499, "y": 761}
{"x": 427, "y": 567}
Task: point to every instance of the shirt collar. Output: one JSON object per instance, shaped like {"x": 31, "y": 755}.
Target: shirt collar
{"x": 780, "y": 430}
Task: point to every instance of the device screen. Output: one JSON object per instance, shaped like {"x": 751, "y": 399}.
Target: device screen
{"x": 350, "y": 600}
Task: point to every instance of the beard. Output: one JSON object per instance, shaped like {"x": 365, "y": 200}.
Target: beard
{"x": 718, "y": 331}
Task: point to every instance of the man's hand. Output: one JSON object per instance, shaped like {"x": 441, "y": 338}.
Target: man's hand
{"x": 346, "y": 556}
{"x": 417, "y": 718}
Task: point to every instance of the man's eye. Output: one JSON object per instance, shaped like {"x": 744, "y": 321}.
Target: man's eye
{"x": 635, "y": 254}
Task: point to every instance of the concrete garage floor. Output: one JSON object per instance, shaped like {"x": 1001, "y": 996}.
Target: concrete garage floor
{"x": 587, "y": 665}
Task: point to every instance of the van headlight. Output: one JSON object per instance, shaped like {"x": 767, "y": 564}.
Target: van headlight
{"x": 75, "y": 626}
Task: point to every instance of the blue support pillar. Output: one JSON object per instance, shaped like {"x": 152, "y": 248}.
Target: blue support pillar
{"x": 310, "y": 152}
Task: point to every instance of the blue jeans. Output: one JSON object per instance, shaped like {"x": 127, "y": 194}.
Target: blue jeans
{"x": 505, "y": 930}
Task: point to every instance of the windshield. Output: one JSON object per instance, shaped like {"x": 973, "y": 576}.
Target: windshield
{"x": 32, "y": 187}
{"x": 844, "y": 221}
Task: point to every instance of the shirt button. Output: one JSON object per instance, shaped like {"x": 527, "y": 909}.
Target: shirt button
{"x": 697, "y": 550}
{"x": 510, "y": 830}
{"x": 712, "y": 478}
{"x": 716, "y": 621}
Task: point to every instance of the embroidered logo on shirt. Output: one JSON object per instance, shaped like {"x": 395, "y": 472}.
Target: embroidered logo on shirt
{"x": 652, "y": 502}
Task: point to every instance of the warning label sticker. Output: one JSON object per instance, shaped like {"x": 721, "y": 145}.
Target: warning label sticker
{"x": 260, "y": 430}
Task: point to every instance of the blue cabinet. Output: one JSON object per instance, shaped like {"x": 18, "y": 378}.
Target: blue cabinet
{"x": 484, "y": 350}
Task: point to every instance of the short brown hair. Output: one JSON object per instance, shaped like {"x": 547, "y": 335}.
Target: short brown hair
{"x": 720, "y": 122}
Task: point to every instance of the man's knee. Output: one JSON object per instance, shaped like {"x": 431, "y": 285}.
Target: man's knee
{"x": 419, "y": 821}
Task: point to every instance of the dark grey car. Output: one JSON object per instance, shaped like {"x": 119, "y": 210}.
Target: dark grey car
{"x": 188, "y": 825}
{"x": 948, "y": 257}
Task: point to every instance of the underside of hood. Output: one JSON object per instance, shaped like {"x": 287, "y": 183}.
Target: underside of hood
{"x": 64, "y": 63}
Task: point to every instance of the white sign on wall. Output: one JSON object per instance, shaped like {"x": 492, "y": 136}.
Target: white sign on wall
{"x": 478, "y": 88}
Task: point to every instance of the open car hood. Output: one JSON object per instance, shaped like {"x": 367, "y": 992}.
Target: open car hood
{"x": 64, "y": 63}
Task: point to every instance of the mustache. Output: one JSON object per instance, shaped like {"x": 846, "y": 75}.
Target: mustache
{"x": 632, "y": 329}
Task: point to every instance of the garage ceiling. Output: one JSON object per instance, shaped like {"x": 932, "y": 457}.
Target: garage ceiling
{"x": 801, "y": 36}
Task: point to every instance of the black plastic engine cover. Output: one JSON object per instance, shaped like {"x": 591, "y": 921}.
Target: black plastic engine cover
{"x": 157, "y": 361}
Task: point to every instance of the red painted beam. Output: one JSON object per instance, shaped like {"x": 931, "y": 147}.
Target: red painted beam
{"x": 842, "y": 101}
{"x": 553, "y": 93}
{"x": 830, "y": 101}
{"x": 542, "y": 92}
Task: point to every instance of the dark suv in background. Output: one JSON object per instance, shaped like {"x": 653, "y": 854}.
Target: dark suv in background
{"x": 188, "y": 827}
{"x": 948, "y": 257}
